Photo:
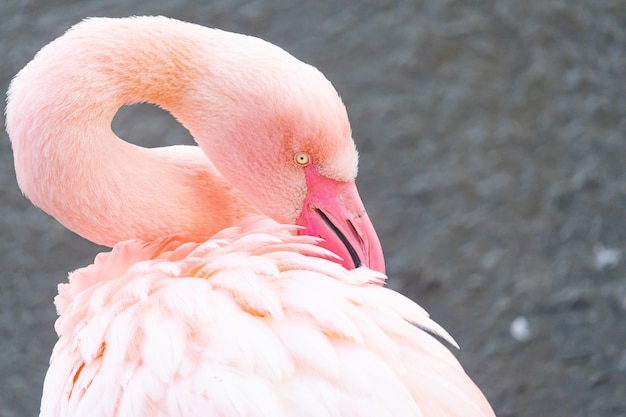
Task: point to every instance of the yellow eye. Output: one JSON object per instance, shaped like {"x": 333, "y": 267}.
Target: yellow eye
{"x": 302, "y": 158}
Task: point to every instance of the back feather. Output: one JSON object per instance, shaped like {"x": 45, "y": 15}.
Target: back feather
{"x": 254, "y": 322}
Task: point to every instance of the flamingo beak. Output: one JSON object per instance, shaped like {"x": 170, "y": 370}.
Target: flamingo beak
{"x": 333, "y": 211}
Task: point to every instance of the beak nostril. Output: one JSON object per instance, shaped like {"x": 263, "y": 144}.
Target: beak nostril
{"x": 355, "y": 231}
{"x": 353, "y": 253}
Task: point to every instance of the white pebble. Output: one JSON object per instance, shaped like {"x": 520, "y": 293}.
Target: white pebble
{"x": 520, "y": 329}
{"x": 606, "y": 257}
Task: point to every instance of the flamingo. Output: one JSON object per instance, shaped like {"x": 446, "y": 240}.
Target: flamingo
{"x": 245, "y": 278}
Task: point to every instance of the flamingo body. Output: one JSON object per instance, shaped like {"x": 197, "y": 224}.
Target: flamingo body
{"x": 251, "y": 322}
{"x": 207, "y": 303}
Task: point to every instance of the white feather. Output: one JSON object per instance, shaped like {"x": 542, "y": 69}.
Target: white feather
{"x": 230, "y": 332}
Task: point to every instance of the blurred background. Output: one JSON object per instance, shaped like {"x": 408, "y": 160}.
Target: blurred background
{"x": 492, "y": 141}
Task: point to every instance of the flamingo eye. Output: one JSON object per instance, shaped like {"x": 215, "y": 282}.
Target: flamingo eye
{"x": 302, "y": 158}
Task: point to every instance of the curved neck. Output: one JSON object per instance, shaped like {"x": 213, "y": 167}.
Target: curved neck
{"x": 59, "y": 119}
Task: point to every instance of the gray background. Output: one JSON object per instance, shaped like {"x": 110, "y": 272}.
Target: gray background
{"x": 492, "y": 165}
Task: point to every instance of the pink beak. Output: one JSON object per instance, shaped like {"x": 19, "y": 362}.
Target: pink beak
{"x": 334, "y": 211}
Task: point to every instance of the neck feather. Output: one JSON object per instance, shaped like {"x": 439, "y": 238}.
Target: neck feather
{"x": 70, "y": 163}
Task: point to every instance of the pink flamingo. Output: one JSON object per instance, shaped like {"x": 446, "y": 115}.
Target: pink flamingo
{"x": 206, "y": 304}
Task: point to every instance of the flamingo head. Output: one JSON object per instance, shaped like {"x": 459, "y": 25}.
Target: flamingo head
{"x": 288, "y": 148}
{"x": 315, "y": 173}
{"x": 312, "y": 182}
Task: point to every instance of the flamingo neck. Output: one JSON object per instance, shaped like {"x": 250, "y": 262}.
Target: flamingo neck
{"x": 59, "y": 119}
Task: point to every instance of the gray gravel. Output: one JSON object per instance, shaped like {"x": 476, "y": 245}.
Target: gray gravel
{"x": 492, "y": 139}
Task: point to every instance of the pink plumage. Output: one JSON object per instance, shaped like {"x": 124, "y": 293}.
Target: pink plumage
{"x": 211, "y": 301}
